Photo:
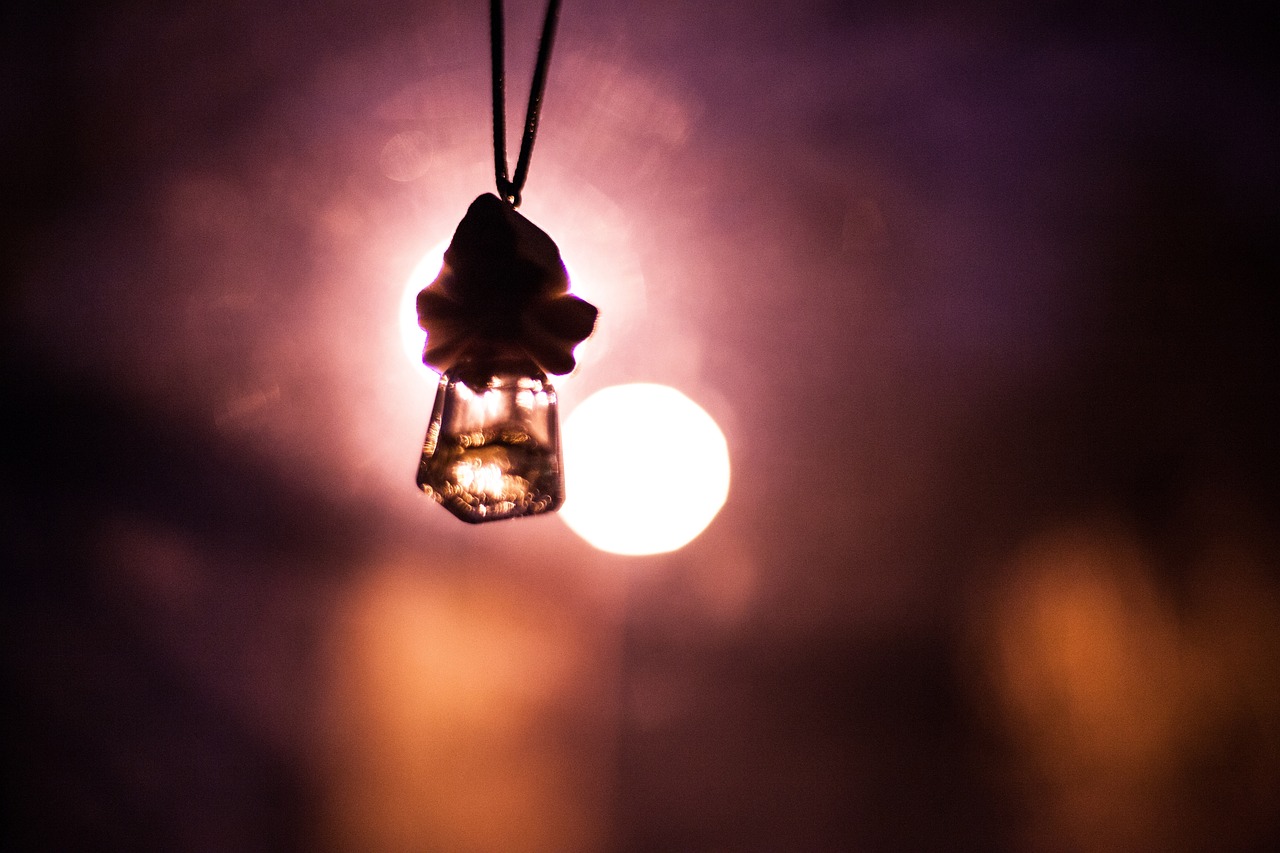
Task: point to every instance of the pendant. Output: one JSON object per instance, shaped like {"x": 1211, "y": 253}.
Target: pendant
{"x": 498, "y": 319}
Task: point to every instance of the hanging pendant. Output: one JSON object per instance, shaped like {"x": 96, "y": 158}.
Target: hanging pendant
{"x": 498, "y": 318}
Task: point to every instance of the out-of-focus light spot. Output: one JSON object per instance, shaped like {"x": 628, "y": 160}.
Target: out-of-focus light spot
{"x": 442, "y": 711}
{"x": 1133, "y": 704}
{"x": 411, "y": 334}
{"x": 646, "y": 469}
{"x": 406, "y": 156}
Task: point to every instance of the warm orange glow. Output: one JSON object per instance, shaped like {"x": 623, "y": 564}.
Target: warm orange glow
{"x": 446, "y": 714}
{"x": 646, "y": 469}
{"x": 1117, "y": 692}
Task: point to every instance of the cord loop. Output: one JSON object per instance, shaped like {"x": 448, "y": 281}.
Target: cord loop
{"x": 509, "y": 189}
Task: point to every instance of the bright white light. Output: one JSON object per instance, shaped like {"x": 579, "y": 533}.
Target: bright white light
{"x": 646, "y": 469}
{"x": 411, "y": 335}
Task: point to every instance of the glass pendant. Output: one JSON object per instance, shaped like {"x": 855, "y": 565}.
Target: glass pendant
{"x": 498, "y": 319}
{"x": 492, "y": 449}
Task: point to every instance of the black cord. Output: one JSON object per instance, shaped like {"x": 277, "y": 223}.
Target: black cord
{"x": 509, "y": 189}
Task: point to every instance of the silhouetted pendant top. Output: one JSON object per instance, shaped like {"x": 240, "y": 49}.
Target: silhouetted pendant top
{"x": 498, "y": 318}
{"x": 502, "y": 290}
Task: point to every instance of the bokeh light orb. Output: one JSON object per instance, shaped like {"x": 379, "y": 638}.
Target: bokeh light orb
{"x": 646, "y": 469}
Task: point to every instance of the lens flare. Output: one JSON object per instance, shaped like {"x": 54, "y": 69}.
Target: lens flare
{"x": 646, "y": 469}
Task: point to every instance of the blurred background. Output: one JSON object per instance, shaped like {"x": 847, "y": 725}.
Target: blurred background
{"x": 982, "y": 296}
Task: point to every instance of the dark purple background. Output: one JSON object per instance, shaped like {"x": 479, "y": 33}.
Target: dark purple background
{"x": 958, "y": 281}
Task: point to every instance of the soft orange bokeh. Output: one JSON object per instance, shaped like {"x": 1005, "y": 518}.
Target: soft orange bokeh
{"x": 465, "y": 715}
{"x": 1140, "y": 716}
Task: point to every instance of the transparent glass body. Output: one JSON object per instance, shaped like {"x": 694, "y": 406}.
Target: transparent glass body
{"x": 492, "y": 449}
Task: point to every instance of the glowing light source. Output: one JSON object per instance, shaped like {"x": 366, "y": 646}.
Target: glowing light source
{"x": 412, "y": 337}
{"x": 647, "y": 469}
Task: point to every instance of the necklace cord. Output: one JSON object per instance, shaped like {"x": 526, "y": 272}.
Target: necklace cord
{"x": 510, "y": 188}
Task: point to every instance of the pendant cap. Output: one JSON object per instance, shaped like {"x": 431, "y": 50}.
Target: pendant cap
{"x": 502, "y": 294}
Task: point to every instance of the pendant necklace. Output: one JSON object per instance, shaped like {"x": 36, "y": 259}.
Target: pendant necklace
{"x": 499, "y": 318}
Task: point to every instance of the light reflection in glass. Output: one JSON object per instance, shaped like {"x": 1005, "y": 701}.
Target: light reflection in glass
{"x": 492, "y": 449}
